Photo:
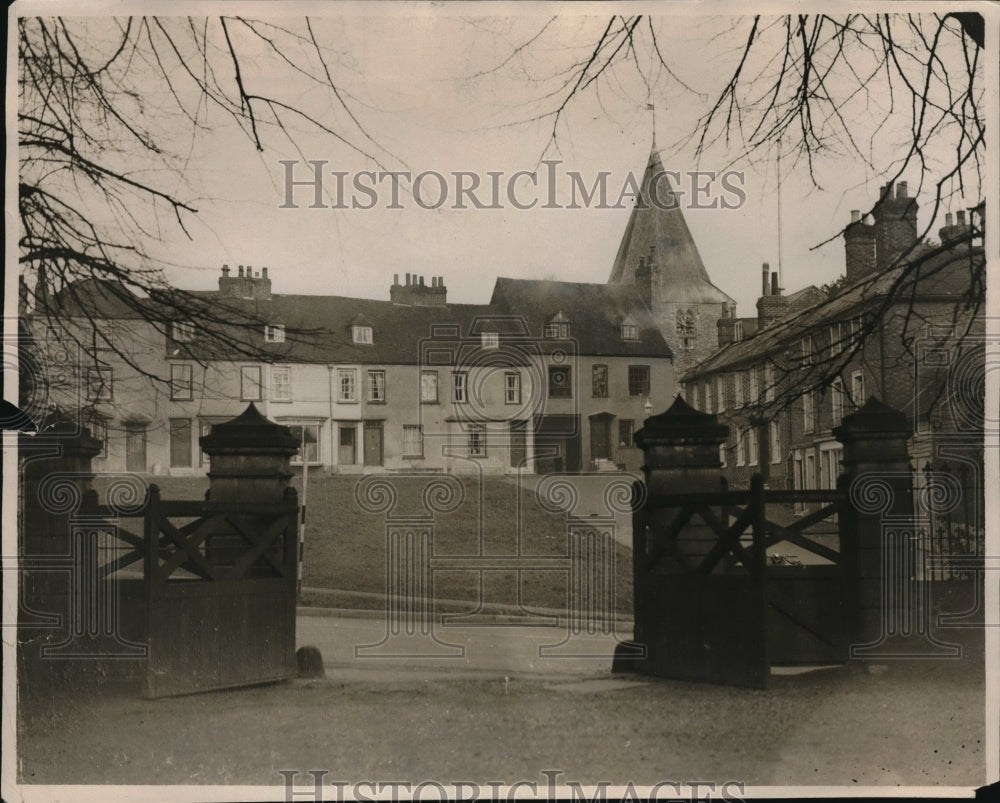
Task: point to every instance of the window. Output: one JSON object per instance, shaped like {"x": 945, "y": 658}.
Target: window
{"x": 754, "y": 396}
{"x": 362, "y": 335}
{"x": 180, "y": 442}
{"x": 309, "y": 440}
{"x": 599, "y": 377}
{"x": 708, "y": 397}
{"x": 180, "y": 382}
{"x": 807, "y": 352}
{"x": 274, "y": 333}
{"x": 808, "y": 412}
{"x": 638, "y": 380}
{"x": 769, "y": 388}
{"x": 413, "y": 440}
{"x": 99, "y": 429}
{"x": 626, "y": 433}
{"x": 837, "y": 400}
{"x": 858, "y": 388}
{"x": 738, "y": 390}
{"x": 376, "y": 386}
{"x": 490, "y": 340}
{"x": 741, "y": 447}
{"x": 347, "y": 385}
{"x": 560, "y": 382}
{"x": 104, "y": 334}
{"x": 428, "y": 387}
{"x": 250, "y": 383}
{"x": 738, "y": 331}
{"x": 182, "y": 331}
{"x": 512, "y": 387}
{"x": 835, "y": 338}
{"x": 459, "y": 387}
{"x": 477, "y": 441}
{"x": 100, "y": 384}
{"x": 281, "y": 383}
{"x": 629, "y": 329}
{"x": 775, "y": 444}
{"x": 558, "y": 327}
{"x": 722, "y": 454}
{"x": 720, "y": 393}
{"x": 752, "y": 446}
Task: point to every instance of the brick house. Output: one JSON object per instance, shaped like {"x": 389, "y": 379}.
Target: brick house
{"x": 904, "y": 324}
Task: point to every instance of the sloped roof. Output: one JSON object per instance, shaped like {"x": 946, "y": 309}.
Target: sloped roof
{"x": 96, "y": 298}
{"x": 657, "y": 222}
{"x": 595, "y": 311}
{"x": 942, "y": 275}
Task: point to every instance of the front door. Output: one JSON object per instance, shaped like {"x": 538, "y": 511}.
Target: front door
{"x": 373, "y": 443}
{"x": 135, "y": 448}
{"x": 600, "y": 437}
{"x": 346, "y": 454}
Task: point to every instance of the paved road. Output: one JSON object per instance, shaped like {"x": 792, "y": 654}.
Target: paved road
{"x": 364, "y": 645}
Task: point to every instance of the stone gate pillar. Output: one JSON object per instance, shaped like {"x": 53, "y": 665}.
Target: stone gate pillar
{"x": 681, "y": 455}
{"x": 249, "y": 457}
{"x": 888, "y": 614}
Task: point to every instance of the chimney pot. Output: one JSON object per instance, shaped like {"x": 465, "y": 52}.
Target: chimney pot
{"x": 855, "y": 215}
{"x": 961, "y": 217}
{"x": 948, "y": 219}
{"x": 263, "y": 272}
{"x": 775, "y": 291}
{"x": 241, "y": 270}
{"x": 421, "y": 281}
{"x": 395, "y": 279}
{"x": 407, "y": 279}
{"x": 887, "y": 190}
{"x": 225, "y": 270}
{"x": 901, "y": 190}
{"x": 764, "y": 273}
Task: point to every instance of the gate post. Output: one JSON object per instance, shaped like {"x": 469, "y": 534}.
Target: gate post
{"x": 249, "y": 457}
{"x": 681, "y": 455}
{"x": 886, "y": 605}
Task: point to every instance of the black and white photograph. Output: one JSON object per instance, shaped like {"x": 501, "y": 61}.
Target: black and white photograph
{"x": 500, "y": 401}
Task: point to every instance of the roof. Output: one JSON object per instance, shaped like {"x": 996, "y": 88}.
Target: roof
{"x": 595, "y": 312}
{"x": 657, "y": 223}
{"x": 927, "y": 275}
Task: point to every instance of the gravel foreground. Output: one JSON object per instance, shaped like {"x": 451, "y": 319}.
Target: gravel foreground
{"x": 906, "y": 723}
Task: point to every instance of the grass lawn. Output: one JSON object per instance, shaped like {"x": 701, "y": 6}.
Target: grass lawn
{"x": 345, "y": 545}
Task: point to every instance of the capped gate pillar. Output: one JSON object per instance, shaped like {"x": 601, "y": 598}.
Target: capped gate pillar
{"x": 681, "y": 455}
{"x": 681, "y": 450}
{"x": 886, "y": 602}
{"x": 250, "y": 457}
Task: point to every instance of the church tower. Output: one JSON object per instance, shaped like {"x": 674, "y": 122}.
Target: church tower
{"x": 659, "y": 256}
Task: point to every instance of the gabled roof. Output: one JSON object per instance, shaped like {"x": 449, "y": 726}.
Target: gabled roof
{"x": 942, "y": 276}
{"x": 657, "y": 223}
{"x": 595, "y": 312}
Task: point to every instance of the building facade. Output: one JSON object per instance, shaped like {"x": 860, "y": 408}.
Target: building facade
{"x": 904, "y": 324}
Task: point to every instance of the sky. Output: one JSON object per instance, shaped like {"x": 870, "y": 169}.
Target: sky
{"x": 437, "y": 91}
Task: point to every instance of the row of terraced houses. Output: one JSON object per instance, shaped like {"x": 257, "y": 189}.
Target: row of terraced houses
{"x": 548, "y": 375}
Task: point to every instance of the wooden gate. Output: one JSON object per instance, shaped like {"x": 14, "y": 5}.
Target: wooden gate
{"x": 710, "y": 605}
{"x": 220, "y": 582}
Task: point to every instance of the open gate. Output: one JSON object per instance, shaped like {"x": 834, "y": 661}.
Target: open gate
{"x": 221, "y": 593}
{"x": 709, "y": 603}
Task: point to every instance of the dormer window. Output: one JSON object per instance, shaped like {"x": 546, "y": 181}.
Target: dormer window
{"x": 362, "y": 334}
{"x": 629, "y": 329}
{"x": 491, "y": 340}
{"x": 274, "y": 333}
{"x": 558, "y": 327}
{"x": 182, "y": 331}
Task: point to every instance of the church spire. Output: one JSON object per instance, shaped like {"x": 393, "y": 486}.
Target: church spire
{"x": 657, "y": 226}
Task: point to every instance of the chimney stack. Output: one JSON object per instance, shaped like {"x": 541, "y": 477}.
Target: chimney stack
{"x": 895, "y": 225}
{"x": 771, "y": 306}
{"x": 417, "y": 293}
{"x": 245, "y": 284}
